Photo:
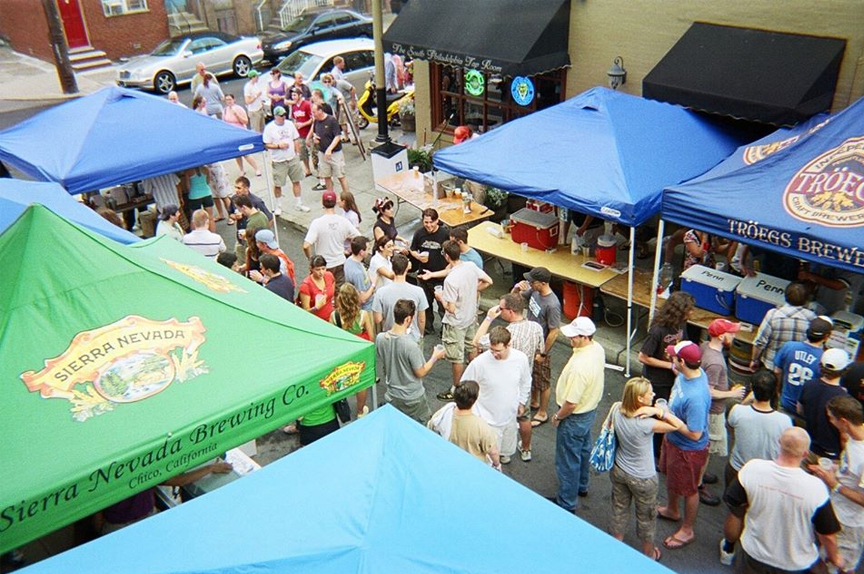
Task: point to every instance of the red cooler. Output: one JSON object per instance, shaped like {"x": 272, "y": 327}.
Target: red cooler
{"x": 536, "y": 228}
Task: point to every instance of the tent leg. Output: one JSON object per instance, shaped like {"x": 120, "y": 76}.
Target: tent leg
{"x": 658, "y": 255}
{"x": 632, "y": 262}
{"x": 375, "y": 395}
{"x": 271, "y": 195}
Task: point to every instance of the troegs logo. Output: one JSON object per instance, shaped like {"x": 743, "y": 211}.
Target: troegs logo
{"x": 830, "y": 189}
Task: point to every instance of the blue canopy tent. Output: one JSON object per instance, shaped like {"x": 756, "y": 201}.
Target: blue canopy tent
{"x": 603, "y": 153}
{"x": 799, "y": 192}
{"x": 360, "y": 500}
{"x": 17, "y": 195}
{"x": 116, "y": 136}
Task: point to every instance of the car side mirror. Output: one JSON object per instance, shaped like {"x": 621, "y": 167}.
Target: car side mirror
{"x": 187, "y": 54}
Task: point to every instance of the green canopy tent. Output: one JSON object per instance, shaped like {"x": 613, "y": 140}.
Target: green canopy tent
{"x": 125, "y": 365}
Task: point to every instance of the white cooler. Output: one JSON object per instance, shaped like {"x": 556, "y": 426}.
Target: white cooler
{"x": 847, "y": 332}
{"x": 713, "y": 290}
{"x": 756, "y": 295}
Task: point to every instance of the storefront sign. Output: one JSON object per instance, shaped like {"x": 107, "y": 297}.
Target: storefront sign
{"x": 522, "y": 90}
{"x": 475, "y": 83}
{"x": 830, "y": 189}
{"x": 448, "y": 58}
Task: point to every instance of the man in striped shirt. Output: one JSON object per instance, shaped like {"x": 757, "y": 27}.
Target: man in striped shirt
{"x": 201, "y": 239}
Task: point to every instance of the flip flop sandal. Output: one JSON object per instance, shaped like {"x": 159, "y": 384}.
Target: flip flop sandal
{"x": 676, "y": 543}
{"x": 535, "y": 422}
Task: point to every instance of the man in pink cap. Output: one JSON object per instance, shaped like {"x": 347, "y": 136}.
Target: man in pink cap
{"x": 685, "y": 452}
{"x": 721, "y": 333}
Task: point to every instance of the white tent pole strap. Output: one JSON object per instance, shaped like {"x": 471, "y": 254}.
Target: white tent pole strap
{"x": 632, "y": 268}
{"x": 658, "y": 254}
{"x": 271, "y": 195}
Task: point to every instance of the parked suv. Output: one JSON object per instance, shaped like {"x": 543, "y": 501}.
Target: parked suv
{"x": 315, "y": 26}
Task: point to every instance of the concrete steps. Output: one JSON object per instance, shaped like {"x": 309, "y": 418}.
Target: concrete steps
{"x": 88, "y": 58}
{"x": 180, "y": 23}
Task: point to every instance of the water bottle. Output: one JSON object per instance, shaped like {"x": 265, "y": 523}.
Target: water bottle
{"x": 664, "y": 283}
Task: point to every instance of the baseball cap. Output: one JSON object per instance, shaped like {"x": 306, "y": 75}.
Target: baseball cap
{"x": 253, "y": 74}
{"x": 835, "y": 359}
{"x": 687, "y": 351}
{"x": 540, "y": 274}
{"x": 820, "y": 327}
{"x": 461, "y": 134}
{"x": 328, "y": 196}
{"x": 580, "y": 326}
{"x": 266, "y": 237}
{"x": 279, "y": 111}
{"x": 722, "y": 326}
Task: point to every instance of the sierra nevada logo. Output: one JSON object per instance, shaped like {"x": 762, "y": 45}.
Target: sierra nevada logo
{"x": 124, "y": 362}
{"x": 342, "y": 377}
{"x": 210, "y": 280}
{"x": 830, "y": 189}
{"x": 756, "y": 153}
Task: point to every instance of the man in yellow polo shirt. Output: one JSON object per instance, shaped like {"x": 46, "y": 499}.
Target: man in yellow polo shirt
{"x": 578, "y": 393}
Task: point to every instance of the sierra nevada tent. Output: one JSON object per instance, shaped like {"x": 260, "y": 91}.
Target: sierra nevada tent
{"x": 16, "y": 195}
{"x": 126, "y": 365}
{"x": 118, "y": 136}
{"x": 383, "y": 495}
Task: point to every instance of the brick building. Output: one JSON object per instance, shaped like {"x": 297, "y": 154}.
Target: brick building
{"x": 94, "y": 29}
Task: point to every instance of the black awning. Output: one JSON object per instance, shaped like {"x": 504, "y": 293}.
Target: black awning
{"x": 769, "y": 77}
{"x": 507, "y": 37}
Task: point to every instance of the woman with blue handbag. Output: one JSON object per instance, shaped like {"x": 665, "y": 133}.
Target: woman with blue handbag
{"x": 634, "y": 476}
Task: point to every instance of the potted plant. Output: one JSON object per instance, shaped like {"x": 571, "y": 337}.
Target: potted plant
{"x": 420, "y": 157}
{"x": 496, "y": 200}
{"x": 407, "y": 114}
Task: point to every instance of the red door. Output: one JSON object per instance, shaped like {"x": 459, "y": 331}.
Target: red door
{"x": 73, "y": 23}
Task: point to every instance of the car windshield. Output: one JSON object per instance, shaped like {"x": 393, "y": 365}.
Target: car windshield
{"x": 299, "y": 23}
{"x": 169, "y": 47}
{"x": 302, "y": 62}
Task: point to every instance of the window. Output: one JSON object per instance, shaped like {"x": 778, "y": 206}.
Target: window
{"x": 359, "y": 60}
{"x": 325, "y": 21}
{"x": 205, "y": 44}
{"x": 121, "y": 7}
{"x": 452, "y": 105}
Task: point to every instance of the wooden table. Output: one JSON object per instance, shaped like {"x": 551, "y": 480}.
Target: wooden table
{"x": 408, "y": 189}
{"x": 617, "y": 287}
{"x": 560, "y": 263}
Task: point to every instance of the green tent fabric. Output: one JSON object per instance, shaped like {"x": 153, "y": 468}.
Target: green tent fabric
{"x": 125, "y": 365}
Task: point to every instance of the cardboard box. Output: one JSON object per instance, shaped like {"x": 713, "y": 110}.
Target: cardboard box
{"x": 755, "y": 295}
{"x": 713, "y": 290}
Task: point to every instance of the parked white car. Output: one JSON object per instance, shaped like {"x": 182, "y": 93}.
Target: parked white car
{"x": 173, "y": 61}
{"x": 316, "y": 59}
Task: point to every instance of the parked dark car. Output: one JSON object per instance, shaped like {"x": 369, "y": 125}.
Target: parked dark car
{"x": 315, "y": 26}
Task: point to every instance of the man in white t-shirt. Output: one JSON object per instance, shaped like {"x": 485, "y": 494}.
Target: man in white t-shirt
{"x": 504, "y": 376}
{"x": 255, "y": 96}
{"x": 283, "y": 141}
{"x": 778, "y": 511}
{"x": 459, "y": 300}
{"x": 327, "y": 235}
{"x": 847, "y": 482}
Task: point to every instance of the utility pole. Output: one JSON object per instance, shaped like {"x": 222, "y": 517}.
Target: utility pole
{"x": 380, "y": 82}
{"x": 59, "y": 48}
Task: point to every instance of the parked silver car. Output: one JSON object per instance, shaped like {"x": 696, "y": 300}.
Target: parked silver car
{"x": 173, "y": 61}
{"x": 316, "y": 59}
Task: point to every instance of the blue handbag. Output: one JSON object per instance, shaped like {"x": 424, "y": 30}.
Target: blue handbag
{"x": 603, "y": 454}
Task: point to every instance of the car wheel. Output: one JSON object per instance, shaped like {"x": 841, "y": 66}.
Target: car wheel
{"x": 242, "y": 66}
{"x": 164, "y": 82}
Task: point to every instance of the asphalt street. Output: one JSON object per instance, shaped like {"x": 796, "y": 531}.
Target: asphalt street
{"x": 537, "y": 475}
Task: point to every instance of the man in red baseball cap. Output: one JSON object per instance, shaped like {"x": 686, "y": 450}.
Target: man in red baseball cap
{"x": 685, "y": 452}
{"x": 461, "y": 134}
{"x": 721, "y": 333}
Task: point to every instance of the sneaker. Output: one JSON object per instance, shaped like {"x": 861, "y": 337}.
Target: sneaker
{"x": 319, "y": 187}
{"x": 277, "y": 211}
{"x": 726, "y": 558}
{"x": 364, "y": 412}
{"x": 709, "y": 478}
{"x": 525, "y": 455}
{"x": 505, "y": 459}
{"x": 446, "y": 396}
{"x": 301, "y": 207}
{"x": 707, "y": 498}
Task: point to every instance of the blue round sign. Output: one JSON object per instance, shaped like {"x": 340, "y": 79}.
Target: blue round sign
{"x": 522, "y": 90}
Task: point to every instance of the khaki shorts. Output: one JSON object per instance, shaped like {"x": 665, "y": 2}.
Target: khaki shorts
{"x": 283, "y": 171}
{"x": 457, "y": 341}
{"x": 257, "y": 120}
{"x": 334, "y": 167}
{"x": 717, "y": 436}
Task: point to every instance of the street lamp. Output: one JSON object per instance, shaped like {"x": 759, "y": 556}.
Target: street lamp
{"x": 617, "y": 74}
